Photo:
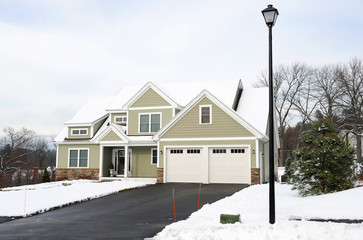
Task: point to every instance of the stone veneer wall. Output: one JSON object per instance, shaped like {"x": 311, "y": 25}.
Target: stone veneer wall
{"x": 160, "y": 175}
{"x": 255, "y": 176}
{"x": 76, "y": 173}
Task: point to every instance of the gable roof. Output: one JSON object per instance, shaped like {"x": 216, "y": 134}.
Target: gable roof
{"x": 92, "y": 111}
{"x": 216, "y": 101}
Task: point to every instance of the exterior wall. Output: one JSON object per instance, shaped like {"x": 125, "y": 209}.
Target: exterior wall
{"x": 222, "y": 125}
{"x": 141, "y": 162}
{"x": 225, "y": 143}
{"x": 111, "y": 136}
{"x": 150, "y": 99}
{"x": 255, "y": 176}
{"x": 133, "y": 127}
{"x": 94, "y": 155}
{"x": 70, "y": 136}
{"x": 76, "y": 173}
{"x": 97, "y": 126}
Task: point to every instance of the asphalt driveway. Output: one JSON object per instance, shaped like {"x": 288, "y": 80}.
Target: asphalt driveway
{"x": 133, "y": 214}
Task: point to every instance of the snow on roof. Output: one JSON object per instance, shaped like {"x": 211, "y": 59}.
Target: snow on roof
{"x": 123, "y": 96}
{"x": 93, "y": 110}
{"x": 253, "y": 107}
{"x": 61, "y": 135}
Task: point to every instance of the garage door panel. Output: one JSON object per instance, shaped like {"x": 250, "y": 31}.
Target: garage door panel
{"x": 229, "y": 165}
{"x": 184, "y": 167}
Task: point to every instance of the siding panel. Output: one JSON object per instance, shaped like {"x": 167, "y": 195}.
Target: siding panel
{"x": 150, "y": 99}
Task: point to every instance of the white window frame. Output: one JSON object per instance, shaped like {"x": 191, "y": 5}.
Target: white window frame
{"x": 200, "y": 114}
{"x": 139, "y": 126}
{"x": 124, "y": 119}
{"x": 78, "y": 157}
{"x": 152, "y": 157}
{"x": 79, "y": 130}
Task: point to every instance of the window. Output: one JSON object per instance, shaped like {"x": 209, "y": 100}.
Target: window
{"x": 119, "y": 119}
{"x": 205, "y": 113}
{"x": 193, "y": 151}
{"x": 176, "y": 151}
{"x": 81, "y": 131}
{"x": 154, "y": 156}
{"x": 78, "y": 158}
{"x": 237, "y": 150}
{"x": 219, "y": 151}
{"x": 150, "y": 122}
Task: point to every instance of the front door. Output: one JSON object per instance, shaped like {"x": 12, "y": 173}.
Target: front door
{"x": 119, "y": 160}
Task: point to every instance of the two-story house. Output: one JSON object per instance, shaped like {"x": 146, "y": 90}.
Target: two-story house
{"x": 172, "y": 132}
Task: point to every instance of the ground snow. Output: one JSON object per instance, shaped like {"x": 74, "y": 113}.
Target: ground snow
{"x": 30, "y": 199}
{"x": 252, "y": 204}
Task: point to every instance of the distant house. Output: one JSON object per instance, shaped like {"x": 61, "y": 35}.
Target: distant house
{"x": 183, "y": 132}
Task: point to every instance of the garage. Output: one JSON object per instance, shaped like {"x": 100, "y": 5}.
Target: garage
{"x": 184, "y": 165}
{"x": 229, "y": 165}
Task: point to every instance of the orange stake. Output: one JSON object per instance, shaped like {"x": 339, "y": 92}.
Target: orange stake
{"x": 174, "y": 205}
{"x": 200, "y": 186}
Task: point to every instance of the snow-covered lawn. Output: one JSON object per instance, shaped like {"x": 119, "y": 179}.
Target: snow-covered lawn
{"x": 30, "y": 199}
{"x": 252, "y": 204}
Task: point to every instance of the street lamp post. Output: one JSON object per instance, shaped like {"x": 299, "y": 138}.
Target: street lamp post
{"x": 270, "y": 14}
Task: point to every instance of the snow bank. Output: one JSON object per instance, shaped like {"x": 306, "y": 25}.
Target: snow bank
{"x": 252, "y": 204}
{"x": 30, "y": 199}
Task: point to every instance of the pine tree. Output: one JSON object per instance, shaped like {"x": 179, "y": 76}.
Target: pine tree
{"x": 45, "y": 177}
{"x": 324, "y": 163}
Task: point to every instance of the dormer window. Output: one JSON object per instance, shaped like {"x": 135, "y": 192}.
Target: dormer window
{"x": 119, "y": 119}
{"x": 205, "y": 114}
{"x": 79, "y": 131}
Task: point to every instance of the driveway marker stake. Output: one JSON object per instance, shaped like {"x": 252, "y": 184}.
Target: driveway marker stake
{"x": 174, "y": 205}
{"x": 200, "y": 186}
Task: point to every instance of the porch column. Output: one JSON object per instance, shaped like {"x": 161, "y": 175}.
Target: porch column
{"x": 100, "y": 174}
{"x": 126, "y": 161}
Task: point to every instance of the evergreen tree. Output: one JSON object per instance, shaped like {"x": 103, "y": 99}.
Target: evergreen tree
{"x": 324, "y": 163}
{"x": 45, "y": 177}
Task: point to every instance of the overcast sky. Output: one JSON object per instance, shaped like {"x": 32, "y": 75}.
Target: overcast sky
{"x": 55, "y": 55}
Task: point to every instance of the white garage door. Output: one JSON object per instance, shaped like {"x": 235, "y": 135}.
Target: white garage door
{"x": 229, "y": 165}
{"x": 184, "y": 165}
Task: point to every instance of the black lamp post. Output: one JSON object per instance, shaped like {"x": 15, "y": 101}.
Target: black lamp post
{"x": 270, "y": 14}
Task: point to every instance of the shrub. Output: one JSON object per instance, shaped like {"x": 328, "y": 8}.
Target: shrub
{"x": 45, "y": 177}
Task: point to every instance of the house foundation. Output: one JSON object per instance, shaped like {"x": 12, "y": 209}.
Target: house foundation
{"x": 255, "y": 176}
{"x": 73, "y": 174}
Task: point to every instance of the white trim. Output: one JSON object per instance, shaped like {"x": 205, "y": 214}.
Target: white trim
{"x": 126, "y": 170}
{"x": 149, "y": 113}
{"x": 151, "y": 108}
{"x": 78, "y": 124}
{"x": 78, "y": 157}
{"x": 56, "y": 157}
{"x": 157, "y": 156}
{"x": 206, "y": 139}
{"x": 210, "y": 114}
{"x": 79, "y": 130}
{"x": 107, "y": 130}
{"x": 158, "y": 149}
{"x": 257, "y": 153}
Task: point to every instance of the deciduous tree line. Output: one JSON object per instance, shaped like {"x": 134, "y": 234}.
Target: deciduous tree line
{"x": 305, "y": 94}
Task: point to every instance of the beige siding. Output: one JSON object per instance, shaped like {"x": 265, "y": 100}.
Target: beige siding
{"x": 150, "y": 99}
{"x": 252, "y": 143}
{"x": 222, "y": 125}
{"x": 133, "y": 128}
{"x": 141, "y": 162}
{"x": 97, "y": 126}
{"x": 94, "y": 154}
{"x": 79, "y": 136}
{"x": 111, "y": 136}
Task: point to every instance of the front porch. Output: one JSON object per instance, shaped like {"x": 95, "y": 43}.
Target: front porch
{"x": 133, "y": 162}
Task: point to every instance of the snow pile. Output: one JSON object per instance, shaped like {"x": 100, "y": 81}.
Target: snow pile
{"x": 30, "y": 199}
{"x": 252, "y": 205}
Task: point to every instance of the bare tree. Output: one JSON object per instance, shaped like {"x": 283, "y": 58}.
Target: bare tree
{"x": 288, "y": 82}
{"x": 15, "y": 148}
{"x": 351, "y": 85}
{"x": 327, "y": 92}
